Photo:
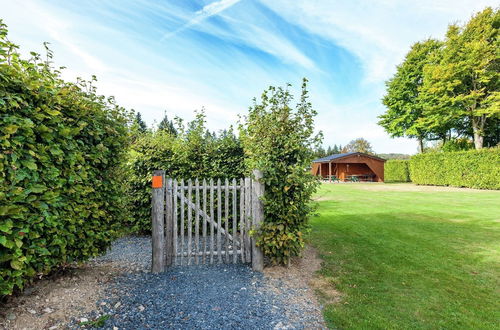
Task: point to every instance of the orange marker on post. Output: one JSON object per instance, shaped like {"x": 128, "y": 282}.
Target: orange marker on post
{"x": 157, "y": 181}
{"x": 158, "y": 223}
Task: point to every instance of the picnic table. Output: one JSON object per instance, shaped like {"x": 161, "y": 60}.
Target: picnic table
{"x": 332, "y": 178}
{"x": 360, "y": 177}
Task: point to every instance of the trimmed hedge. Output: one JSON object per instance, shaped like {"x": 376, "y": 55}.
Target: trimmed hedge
{"x": 61, "y": 155}
{"x": 396, "y": 170}
{"x": 472, "y": 169}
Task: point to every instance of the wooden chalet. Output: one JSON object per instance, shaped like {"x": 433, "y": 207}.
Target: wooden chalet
{"x": 351, "y": 166}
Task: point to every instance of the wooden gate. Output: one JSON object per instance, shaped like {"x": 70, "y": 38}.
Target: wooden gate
{"x": 207, "y": 221}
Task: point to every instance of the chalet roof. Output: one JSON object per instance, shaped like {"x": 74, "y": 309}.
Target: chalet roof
{"x": 348, "y": 154}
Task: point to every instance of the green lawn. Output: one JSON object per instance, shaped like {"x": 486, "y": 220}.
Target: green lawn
{"x": 404, "y": 256}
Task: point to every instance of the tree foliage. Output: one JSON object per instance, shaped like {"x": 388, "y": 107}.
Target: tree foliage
{"x": 167, "y": 125}
{"x": 193, "y": 152}
{"x": 139, "y": 124}
{"x": 62, "y": 148}
{"x": 449, "y": 89}
{"x": 463, "y": 84}
{"x": 359, "y": 145}
{"x": 321, "y": 152}
{"x": 277, "y": 140}
{"x": 404, "y": 102}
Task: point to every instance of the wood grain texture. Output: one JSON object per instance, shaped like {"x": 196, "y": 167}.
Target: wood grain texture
{"x": 169, "y": 230}
{"x": 242, "y": 220}
{"x": 174, "y": 220}
{"x": 204, "y": 222}
{"x": 258, "y": 218}
{"x": 234, "y": 223}
{"x": 212, "y": 216}
{"x": 190, "y": 221}
{"x": 197, "y": 222}
{"x": 226, "y": 219}
{"x": 248, "y": 219}
{"x": 219, "y": 221}
{"x": 158, "y": 226}
{"x": 181, "y": 237}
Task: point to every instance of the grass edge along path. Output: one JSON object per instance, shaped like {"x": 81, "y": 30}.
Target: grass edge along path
{"x": 404, "y": 256}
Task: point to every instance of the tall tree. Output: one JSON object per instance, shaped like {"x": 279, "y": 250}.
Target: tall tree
{"x": 336, "y": 149}
{"x": 403, "y": 100}
{"x": 139, "y": 123}
{"x": 320, "y": 152}
{"x": 464, "y": 84}
{"x": 359, "y": 145}
{"x": 167, "y": 125}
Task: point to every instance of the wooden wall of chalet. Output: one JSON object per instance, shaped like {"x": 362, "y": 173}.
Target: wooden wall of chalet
{"x": 376, "y": 165}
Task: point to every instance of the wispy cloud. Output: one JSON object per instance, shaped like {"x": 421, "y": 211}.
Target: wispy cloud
{"x": 379, "y": 33}
{"x": 207, "y": 11}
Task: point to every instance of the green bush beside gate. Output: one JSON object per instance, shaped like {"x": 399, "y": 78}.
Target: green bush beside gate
{"x": 277, "y": 139}
{"x": 473, "y": 168}
{"x": 61, "y": 153}
{"x": 396, "y": 170}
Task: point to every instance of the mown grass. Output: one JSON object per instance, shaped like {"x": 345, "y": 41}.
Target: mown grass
{"x": 409, "y": 258}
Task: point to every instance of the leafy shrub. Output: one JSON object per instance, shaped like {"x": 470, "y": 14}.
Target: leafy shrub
{"x": 61, "y": 151}
{"x": 192, "y": 152}
{"x": 457, "y": 145}
{"x": 396, "y": 170}
{"x": 473, "y": 168}
{"x": 277, "y": 140}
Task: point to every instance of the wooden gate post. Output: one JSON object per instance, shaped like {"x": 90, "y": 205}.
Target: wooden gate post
{"x": 258, "y": 218}
{"x": 158, "y": 222}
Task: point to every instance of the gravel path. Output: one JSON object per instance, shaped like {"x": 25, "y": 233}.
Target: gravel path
{"x": 203, "y": 297}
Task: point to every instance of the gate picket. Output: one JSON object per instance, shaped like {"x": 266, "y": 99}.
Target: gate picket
{"x": 204, "y": 222}
{"x": 242, "y": 220}
{"x": 197, "y": 223}
{"x": 235, "y": 220}
{"x": 226, "y": 214}
{"x": 219, "y": 222}
{"x": 182, "y": 220}
{"x": 190, "y": 222}
{"x": 174, "y": 216}
{"x": 169, "y": 223}
{"x": 212, "y": 222}
{"x": 248, "y": 214}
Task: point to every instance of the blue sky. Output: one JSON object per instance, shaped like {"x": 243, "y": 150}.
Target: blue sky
{"x": 181, "y": 55}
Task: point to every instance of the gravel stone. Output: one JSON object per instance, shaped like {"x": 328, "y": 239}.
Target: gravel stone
{"x": 48, "y": 310}
{"x": 224, "y": 296}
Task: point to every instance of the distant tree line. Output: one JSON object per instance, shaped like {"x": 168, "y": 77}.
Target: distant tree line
{"x": 321, "y": 152}
{"x": 449, "y": 90}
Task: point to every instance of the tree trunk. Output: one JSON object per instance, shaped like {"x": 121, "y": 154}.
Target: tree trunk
{"x": 477, "y": 128}
{"x": 421, "y": 144}
{"x": 478, "y": 140}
